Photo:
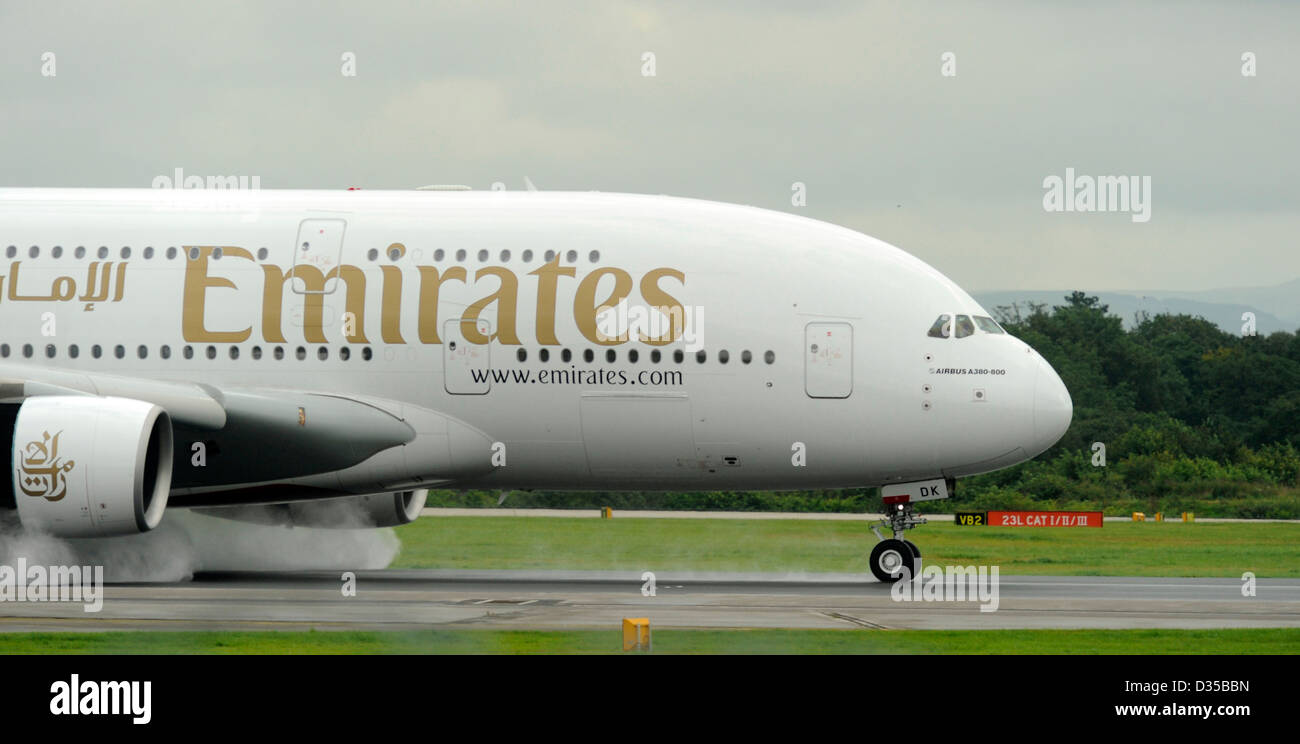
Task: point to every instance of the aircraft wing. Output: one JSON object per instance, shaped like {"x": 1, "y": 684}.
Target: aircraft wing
{"x": 186, "y": 402}
{"x": 230, "y": 438}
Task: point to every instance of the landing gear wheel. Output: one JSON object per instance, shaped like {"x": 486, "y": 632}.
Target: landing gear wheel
{"x": 890, "y": 557}
{"x": 916, "y": 553}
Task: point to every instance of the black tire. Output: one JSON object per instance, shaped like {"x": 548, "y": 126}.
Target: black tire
{"x": 916, "y": 552}
{"x": 889, "y": 558}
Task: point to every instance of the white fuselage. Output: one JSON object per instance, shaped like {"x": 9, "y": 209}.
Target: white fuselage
{"x": 429, "y": 292}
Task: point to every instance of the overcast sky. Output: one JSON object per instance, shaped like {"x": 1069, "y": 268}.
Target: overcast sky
{"x": 747, "y": 98}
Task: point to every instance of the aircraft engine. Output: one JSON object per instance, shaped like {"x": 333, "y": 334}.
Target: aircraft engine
{"x": 85, "y": 466}
{"x": 393, "y": 509}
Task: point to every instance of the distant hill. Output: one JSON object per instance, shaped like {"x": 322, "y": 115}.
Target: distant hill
{"x": 1275, "y": 308}
{"x": 1282, "y": 300}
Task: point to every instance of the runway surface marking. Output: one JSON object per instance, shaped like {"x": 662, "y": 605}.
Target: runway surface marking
{"x": 560, "y": 600}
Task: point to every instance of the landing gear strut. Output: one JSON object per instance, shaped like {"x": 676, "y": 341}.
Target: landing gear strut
{"x": 892, "y": 555}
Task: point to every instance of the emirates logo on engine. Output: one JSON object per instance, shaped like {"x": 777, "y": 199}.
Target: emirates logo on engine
{"x": 41, "y": 472}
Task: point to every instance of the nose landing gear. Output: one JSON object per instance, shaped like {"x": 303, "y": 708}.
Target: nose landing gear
{"x": 892, "y": 555}
{"x": 893, "y": 558}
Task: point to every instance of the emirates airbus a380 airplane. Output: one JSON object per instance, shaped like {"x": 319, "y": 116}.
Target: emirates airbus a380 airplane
{"x": 267, "y": 354}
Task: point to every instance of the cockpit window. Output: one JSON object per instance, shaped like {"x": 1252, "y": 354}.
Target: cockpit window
{"x": 988, "y": 325}
{"x": 964, "y": 326}
{"x": 942, "y": 327}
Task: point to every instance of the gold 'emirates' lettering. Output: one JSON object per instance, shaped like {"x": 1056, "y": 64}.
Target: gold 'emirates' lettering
{"x": 313, "y": 293}
{"x": 585, "y": 308}
{"x": 506, "y": 298}
{"x": 197, "y": 283}
{"x": 656, "y": 297}
{"x": 548, "y": 280}
{"x": 430, "y": 283}
{"x": 390, "y": 314}
{"x": 313, "y": 284}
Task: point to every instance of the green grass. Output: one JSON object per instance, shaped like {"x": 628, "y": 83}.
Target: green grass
{"x": 1118, "y": 549}
{"x": 462, "y": 641}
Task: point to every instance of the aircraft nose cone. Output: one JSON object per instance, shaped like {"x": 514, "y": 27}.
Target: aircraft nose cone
{"x": 1052, "y": 408}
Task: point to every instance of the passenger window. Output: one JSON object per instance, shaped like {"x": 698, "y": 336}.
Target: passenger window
{"x": 987, "y": 324}
{"x": 942, "y": 327}
{"x": 964, "y": 326}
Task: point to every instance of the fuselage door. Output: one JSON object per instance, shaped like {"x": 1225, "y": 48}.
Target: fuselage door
{"x": 828, "y": 360}
{"x": 318, "y": 252}
{"x": 466, "y": 366}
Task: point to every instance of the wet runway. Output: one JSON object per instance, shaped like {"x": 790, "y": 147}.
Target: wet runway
{"x": 411, "y": 599}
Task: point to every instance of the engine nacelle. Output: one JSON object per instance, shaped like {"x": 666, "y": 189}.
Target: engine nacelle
{"x": 344, "y": 512}
{"x": 393, "y": 509}
{"x": 86, "y": 466}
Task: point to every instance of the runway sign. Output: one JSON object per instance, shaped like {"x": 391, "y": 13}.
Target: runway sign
{"x": 636, "y": 634}
{"x": 1044, "y": 519}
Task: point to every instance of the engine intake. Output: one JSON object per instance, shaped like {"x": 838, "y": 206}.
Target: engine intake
{"x": 91, "y": 467}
